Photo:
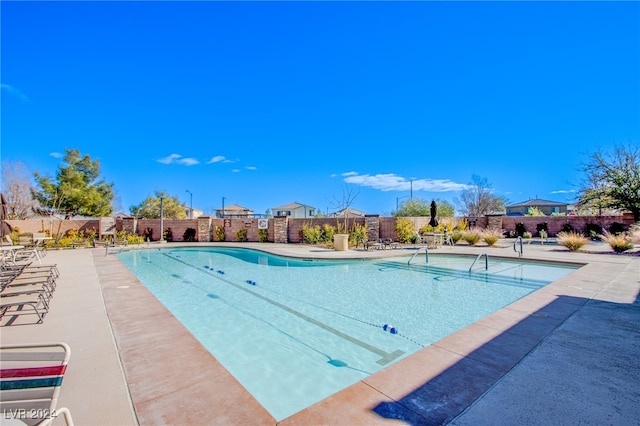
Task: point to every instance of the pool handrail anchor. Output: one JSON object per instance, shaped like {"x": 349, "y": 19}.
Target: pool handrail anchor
{"x": 486, "y": 261}
{"x": 426, "y": 253}
{"x": 515, "y": 246}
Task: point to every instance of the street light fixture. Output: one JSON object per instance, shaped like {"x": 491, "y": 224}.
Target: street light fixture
{"x": 398, "y": 200}
{"x": 223, "y": 207}
{"x": 190, "y": 204}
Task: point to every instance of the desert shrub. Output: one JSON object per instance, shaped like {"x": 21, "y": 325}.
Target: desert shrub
{"x": 526, "y": 234}
{"x": 189, "y": 234}
{"x": 358, "y": 234}
{"x": 327, "y": 233}
{"x": 491, "y": 236}
{"x": 593, "y": 230}
{"x": 168, "y": 235}
{"x": 133, "y": 239}
{"x": 567, "y": 227}
{"x": 147, "y": 234}
{"x": 310, "y": 233}
{"x": 572, "y": 240}
{"x": 241, "y": 235}
{"x": 618, "y": 243}
{"x": 472, "y": 237}
{"x": 405, "y": 230}
{"x": 219, "y": 233}
{"x": 462, "y": 225}
{"x": 617, "y": 228}
{"x": 542, "y": 227}
{"x": 456, "y": 235}
{"x": 263, "y": 235}
{"x": 520, "y": 229}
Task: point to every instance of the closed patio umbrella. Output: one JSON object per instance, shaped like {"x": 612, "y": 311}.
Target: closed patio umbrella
{"x": 433, "y": 222}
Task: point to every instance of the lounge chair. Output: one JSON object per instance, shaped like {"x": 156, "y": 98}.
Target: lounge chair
{"x": 374, "y": 244}
{"x": 15, "y": 305}
{"x": 30, "y": 380}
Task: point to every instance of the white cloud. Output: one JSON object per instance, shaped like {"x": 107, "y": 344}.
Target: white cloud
{"x": 236, "y": 170}
{"x": 392, "y": 182}
{"x": 56, "y": 155}
{"x": 217, "y": 159}
{"x": 178, "y": 159}
{"x": 564, "y": 191}
{"x": 251, "y": 168}
{"x": 10, "y": 90}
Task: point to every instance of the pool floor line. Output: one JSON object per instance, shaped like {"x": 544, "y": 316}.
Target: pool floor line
{"x": 386, "y": 357}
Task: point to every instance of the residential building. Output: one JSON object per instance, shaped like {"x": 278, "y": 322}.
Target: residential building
{"x": 234, "y": 211}
{"x": 295, "y": 210}
{"x": 545, "y": 206}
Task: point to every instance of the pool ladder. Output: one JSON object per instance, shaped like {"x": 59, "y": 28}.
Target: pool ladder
{"x": 426, "y": 254}
{"x": 486, "y": 261}
{"x": 517, "y": 249}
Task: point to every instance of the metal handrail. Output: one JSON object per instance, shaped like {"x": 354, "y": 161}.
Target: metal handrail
{"x": 486, "y": 261}
{"x": 426, "y": 252}
{"x": 515, "y": 243}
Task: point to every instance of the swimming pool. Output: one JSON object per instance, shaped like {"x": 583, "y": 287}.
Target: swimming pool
{"x": 294, "y": 331}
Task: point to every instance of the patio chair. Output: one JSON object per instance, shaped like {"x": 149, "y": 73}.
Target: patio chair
{"x": 30, "y": 380}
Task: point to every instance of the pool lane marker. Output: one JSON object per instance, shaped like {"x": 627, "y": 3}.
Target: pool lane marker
{"x": 386, "y": 357}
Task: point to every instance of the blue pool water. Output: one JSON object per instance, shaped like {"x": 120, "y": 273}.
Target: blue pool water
{"x": 295, "y": 331}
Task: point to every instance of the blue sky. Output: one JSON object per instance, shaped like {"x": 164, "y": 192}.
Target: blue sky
{"x": 266, "y": 103}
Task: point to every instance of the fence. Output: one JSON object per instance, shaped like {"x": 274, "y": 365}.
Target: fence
{"x": 283, "y": 229}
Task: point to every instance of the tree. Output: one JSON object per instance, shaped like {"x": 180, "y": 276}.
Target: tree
{"x": 342, "y": 207}
{"x": 77, "y": 190}
{"x": 479, "y": 200}
{"x": 422, "y": 208}
{"x": 613, "y": 180}
{"x": 150, "y": 207}
{"x": 17, "y": 189}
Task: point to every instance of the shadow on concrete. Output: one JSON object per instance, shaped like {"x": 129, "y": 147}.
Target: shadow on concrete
{"x": 587, "y": 333}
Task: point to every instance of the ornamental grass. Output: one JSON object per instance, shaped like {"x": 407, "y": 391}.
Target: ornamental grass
{"x": 572, "y": 240}
{"x": 618, "y": 242}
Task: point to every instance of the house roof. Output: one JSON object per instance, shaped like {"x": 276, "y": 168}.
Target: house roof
{"x": 235, "y": 207}
{"x": 536, "y": 202}
{"x": 292, "y": 206}
{"x": 350, "y": 212}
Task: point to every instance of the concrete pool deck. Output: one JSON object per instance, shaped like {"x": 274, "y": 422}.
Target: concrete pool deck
{"x": 566, "y": 354}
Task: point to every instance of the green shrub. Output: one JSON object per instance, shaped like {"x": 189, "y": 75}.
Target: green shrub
{"x": 327, "y": 233}
{"x": 358, "y": 234}
{"x": 189, "y": 234}
{"x": 617, "y": 228}
{"x": 241, "y": 235}
{"x": 593, "y": 230}
{"x": 219, "y": 233}
{"x": 572, "y": 240}
{"x": 404, "y": 230}
{"x": 263, "y": 235}
{"x": 310, "y": 233}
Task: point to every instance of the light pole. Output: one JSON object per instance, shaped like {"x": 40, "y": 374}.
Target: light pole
{"x": 223, "y": 207}
{"x": 190, "y": 204}
{"x": 398, "y": 200}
